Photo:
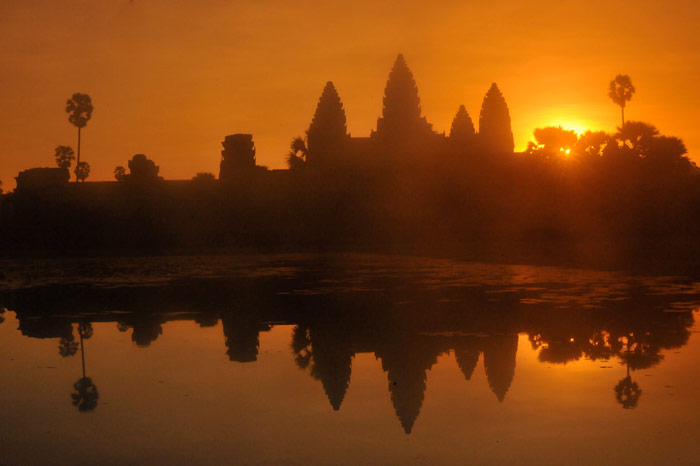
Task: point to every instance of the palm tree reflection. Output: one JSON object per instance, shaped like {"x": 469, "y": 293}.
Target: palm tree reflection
{"x": 301, "y": 346}
{"x": 627, "y": 391}
{"x": 85, "y": 395}
{"x": 67, "y": 346}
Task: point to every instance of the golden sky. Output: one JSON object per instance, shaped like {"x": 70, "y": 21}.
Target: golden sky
{"x": 171, "y": 78}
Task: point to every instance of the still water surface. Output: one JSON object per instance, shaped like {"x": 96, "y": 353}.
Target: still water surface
{"x": 344, "y": 359}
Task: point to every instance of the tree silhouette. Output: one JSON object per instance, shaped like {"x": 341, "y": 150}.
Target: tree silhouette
{"x": 298, "y": 154}
{"x": 79, "y": 108}
{"x": 592, "y": 143}
{"x": 141, "y": 168}
{"x": 82, "y": 171}
{"x": 204, "y": 178}
{"x": 555, "y": 138}
{"x": 639, "y": 141}
{"x": 401, "y": 114}
{"x": 327, "y": 134}
{"x": 146, "y": 330}
{"x": 621, "y": 91}
{"x": 64, "y": 156}
{"x": 2, "y": 309}
{"x": 495, "y": 133}
{"x": 552, "y": 141}
{"x": 667, "y": 152}
{"x": 462, "y": 132}
{"x": 119, "y": 173}
{"x": 637, "y": 136}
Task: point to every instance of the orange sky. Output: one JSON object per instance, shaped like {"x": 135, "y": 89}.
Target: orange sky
{"x": 171, "y": 78}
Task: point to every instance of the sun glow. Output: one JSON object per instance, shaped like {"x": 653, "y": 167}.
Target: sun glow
{"x": 578, "y": 125}
{"x": 578, "y": 128}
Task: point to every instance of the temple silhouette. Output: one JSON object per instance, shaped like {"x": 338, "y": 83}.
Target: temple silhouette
{"x": 403, "y": 188}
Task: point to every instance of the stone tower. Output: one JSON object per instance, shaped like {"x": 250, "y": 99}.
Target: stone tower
{"x": 238, "y": 156}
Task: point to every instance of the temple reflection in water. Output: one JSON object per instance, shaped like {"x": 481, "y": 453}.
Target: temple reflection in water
{"x": 407, "y": 323}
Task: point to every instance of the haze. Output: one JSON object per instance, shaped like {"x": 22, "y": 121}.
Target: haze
{"x": 171, "y": 79}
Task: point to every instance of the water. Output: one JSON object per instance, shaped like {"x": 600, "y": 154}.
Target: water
{"x": 344, "y": 359}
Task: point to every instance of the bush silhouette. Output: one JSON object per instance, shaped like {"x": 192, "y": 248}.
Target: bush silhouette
{"x": 204, "y": 178}
{"x": 141, "y": 168}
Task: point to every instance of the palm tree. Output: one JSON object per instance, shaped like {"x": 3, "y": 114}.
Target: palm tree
{"x": 64, "y": 156}
{"x": 82, "y": 171}
{"x": 298, "y": 153}
{"x": 79, "y": 109}
{"x": 621, "y": 91}
{"x": 119, "y": 173}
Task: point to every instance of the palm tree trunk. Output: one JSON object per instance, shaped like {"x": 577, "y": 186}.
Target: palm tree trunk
{"x": 82, "y": 351}
{"x": 622, "y": 108}
{"x": 78, "y": 162}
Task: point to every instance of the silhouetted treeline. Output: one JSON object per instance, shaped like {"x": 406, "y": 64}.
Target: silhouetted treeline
{"x": 632, "y": 196}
